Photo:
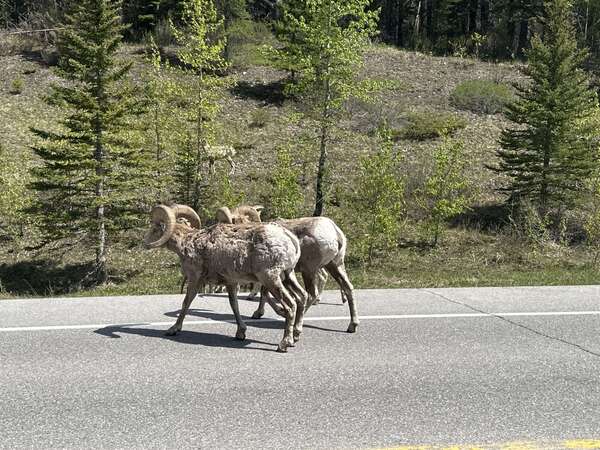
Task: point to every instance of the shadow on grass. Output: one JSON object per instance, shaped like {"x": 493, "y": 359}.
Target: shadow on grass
{"x": 491, "y": 217}
{"x": 185, "y": 337}
{"x": 45, "y": 277}
{"x": 269, "y": 93}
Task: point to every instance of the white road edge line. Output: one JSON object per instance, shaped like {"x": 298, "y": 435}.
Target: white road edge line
{"x": 306, "y": 319}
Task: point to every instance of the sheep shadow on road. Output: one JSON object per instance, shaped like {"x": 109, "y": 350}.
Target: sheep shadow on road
{"x": 184, "y": 337}
{"x": 266, "y": 323}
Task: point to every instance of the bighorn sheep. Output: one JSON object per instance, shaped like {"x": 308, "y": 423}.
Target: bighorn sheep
{"x": 323, "y": 246}
{"x": 216, "y": 153}
{"x": 230, "y": 254}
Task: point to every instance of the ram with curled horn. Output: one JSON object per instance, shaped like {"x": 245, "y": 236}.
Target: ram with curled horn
{"x": 323, "y": 251}
{"x": 229, "y": 255}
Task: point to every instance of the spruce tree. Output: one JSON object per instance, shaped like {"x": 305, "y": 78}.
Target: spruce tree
{"x": 548, "y": 153}
{"x": 90, "y": 172}
{"x": 326, "y": 43}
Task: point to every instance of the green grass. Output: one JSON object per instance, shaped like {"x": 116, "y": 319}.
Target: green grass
{"x": 464, "y": 259}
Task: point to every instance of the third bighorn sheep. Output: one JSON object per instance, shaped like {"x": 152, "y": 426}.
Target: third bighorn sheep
{"x": 323, "y": 246}
{"x": 230, "y": 254}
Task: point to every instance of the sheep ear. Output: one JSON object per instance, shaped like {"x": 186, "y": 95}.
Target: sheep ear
{"x": 224, "y": 215}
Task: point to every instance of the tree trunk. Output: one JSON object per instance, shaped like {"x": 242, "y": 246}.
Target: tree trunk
{"x": 472, "y": 26}
{"x": 485, "y": 16}
{"x": 399, "y": 23}
{"x": 417, "y": 27}
{"x": 101, "y": 272}
{"x": 320, "y": 197}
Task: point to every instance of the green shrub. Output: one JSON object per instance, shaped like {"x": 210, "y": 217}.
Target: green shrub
{"x": 444, "y": 195}
{"x": 481, "y": 96}
{"x": 425, "y": 125}
{"x": 377, "y": 201}
{"x": 286, "y": 193}
{"x": 16, "y": 87}
{"x": 260, "y": 118}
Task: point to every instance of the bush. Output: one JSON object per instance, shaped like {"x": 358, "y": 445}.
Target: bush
{"x": 481, "y": 96}
{"x": 377, "y": 200}
{"x": 444, "y": 195}
{"x": 286, "y": 195}
{"x": 260, "y": 118}
{"x": 16, "y": 87}
{"x": 425, "y": 125}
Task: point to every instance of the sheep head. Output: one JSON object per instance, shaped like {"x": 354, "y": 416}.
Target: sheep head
{"x": 241, "y": 214}
{"x": 163, "y": 221}
{"x": 162, "y": 225}
{"x": 189, "y": 215}
{"x": 224, "y": 215}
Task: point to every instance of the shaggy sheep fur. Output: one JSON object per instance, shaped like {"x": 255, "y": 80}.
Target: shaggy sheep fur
{"x": 323, "y": 246}
{"x": 230, "y": 254}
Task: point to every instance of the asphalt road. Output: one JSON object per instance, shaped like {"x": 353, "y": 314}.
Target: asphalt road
{"x": 439, "y": 367}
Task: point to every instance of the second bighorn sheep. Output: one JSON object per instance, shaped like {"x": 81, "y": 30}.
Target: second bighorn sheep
{"x": 230, "y": 254}
{"x": 323, "y": 246}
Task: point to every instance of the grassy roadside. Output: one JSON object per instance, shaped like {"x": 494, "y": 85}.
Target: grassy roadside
{"x": 256, "y": 116}
{"x": 465, "y": 259}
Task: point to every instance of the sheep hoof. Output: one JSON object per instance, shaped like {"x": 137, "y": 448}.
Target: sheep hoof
{"x": 172, "y": 331}
{"x": 257, "y": 314}
{"x": 352, "y": 328}
{"x": 240, "y": 335}
{"x": 281, "y": 349}
{"x": 297, "y": 336}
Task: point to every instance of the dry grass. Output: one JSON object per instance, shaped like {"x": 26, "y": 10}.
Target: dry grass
{"x": 416, "y": 82}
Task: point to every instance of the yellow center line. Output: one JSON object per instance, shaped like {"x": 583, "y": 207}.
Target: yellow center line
{"x": 582, "y": 444}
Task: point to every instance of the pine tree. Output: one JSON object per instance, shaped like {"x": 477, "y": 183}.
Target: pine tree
{"x": 548, "y": 154}
{"x": 329, "y": 39}
{"x": 90, "y": 177}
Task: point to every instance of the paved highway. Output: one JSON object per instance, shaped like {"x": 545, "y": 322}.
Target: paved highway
{"x": 482, "y": 368}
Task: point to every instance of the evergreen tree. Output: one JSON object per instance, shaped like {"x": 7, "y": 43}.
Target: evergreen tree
{"x": 90, "y": 175}
{"x": 329, "y": 39}
{"x": 548, "y": 154}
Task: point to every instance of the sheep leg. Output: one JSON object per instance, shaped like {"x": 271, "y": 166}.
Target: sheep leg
{"x": 311, "y": 287}
{"x": 341, "y": 277}
{"x": 192, "y": 291}
{"x": 276, "y": 287}
{"x": 232, "y": 290}
{"x": 264, "y": 297}
{"x": 254, "y": 292}
{"x": 321, "y": 281}
{"x": 291, "y": 282}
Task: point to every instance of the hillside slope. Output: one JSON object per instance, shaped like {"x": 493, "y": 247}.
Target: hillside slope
{"x": 415, "y": 83}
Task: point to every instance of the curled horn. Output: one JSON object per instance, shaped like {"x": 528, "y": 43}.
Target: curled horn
{"x": 164, "y": 215}
{"x": 189, "y": 214}
{"x": 246, "y": 214}
{"x": 224, "y": 215}
{"x": 258, "y": 209}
